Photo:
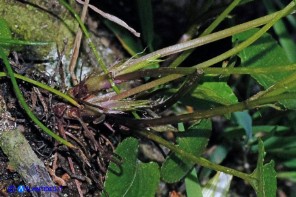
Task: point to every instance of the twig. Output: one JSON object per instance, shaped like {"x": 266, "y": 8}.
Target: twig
{"x": 76, "y": 46}
{"x": 112, "y": 18}
{"x": 41, "y": 98}
{"x": 77, "y": 183}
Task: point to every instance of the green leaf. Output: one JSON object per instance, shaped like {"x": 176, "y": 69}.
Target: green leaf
{"x": 270, "y": 128}
{"x": 193, "y": 141}
{"x": 5, "y": 32}
{"x": 7, "y": 42}
{"x": 218, "y": 92}
{"x": 193, "y": 188}
{"x": 4, "y": 29}
{"x": 218, "y": 185}
{"x": 146, "y": 18}
{"x": 290, "y": 18}
{"x": 279, "y": 142}
{"x": 244, "y": 120}
{"x": 210, "y": 95}
{"x": 290, "y": 163}
{"x": 283, "y": 147}
{"x": 245, "y": 1}
{"x": 146, "y": 180}
{"x": 129, "y": 43}
{"x": 285, "y": 38}
{"x": 265, "y": 53}
{"x": 267, "y": 129}
{"x": 265, "y": 175}
{"x": 283, "y": 153}
{"x": 131, "y": 178}
{"x": 217, "y": 155}
{"x": 269, "y": 180}
{"x": 291, "y": 175}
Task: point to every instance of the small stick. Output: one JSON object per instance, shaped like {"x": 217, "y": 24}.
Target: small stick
{"x": 59, "y": 68}
{"x": 111, "y": 18}
{"x": 76, "y": 47}
{"x": 41, "y": 98}
{"x": 70, "y": 162}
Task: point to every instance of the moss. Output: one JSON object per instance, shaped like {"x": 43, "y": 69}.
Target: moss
{"x": 31, "y": 22}
{"x": 49, "y": 21}
{"x": 17, "y": 149}
{"x": 23, "y": 159}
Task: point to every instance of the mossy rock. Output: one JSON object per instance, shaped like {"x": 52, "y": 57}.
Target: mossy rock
{"x": 38, "y": 20}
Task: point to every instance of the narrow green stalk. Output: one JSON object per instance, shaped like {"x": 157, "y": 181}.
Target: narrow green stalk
{"x": 11, "y": 42}
{"x": 219, "y": 71}
{"x": 91, "y": 44}
{"x": 281, "y": 30}
{"x": 198, "y": 160}
{"x": 287, "y": 10}
{"x": 206, "y": 39}
{"x": 207, "y": 31}
{"x": 157, "y": 72}
{"x": 23, "y": 103}
{"x": 221, "y": 17}
{"x": 270, "y": 19}
{"x": 126, "y": 68}
{"x": 250, "y": 70}
{"x": 280, "y": 87}
{"x": 214, "y": 112}
{"x": 145, "y": 87}
{"x": 45, "y": 87}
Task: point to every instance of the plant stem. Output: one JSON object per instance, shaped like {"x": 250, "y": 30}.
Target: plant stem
{"x": 23, "y": 103}
{"x": 198, "y": 160}
{"x": 220, "y": 18}
{"x": 145, "y": 87}
{"x": 249, "y": 70}
{"x": 126, "y": 68}
{"x": 155, "y": 72}
{"x": 212, "y": 112}
{"x": 206, "y": 39}
{"x": 91, "y": 44}
{"x": 287, "y": 10}
{"x": 12, "y": 42}
{"x": 176, "y": 73}
{"x": 45, "y": 87}
{"x": 278, "y": 88}
{"x": 207, "y": 31}
{"x": 210, "y": 70}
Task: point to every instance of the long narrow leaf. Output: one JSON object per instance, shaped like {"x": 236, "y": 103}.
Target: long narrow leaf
{"x": 146, "y": 18}
{"x": 281, "y": 30}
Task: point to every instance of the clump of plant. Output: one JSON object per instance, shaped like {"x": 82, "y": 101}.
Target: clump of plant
{"x": 129, "y": 99}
